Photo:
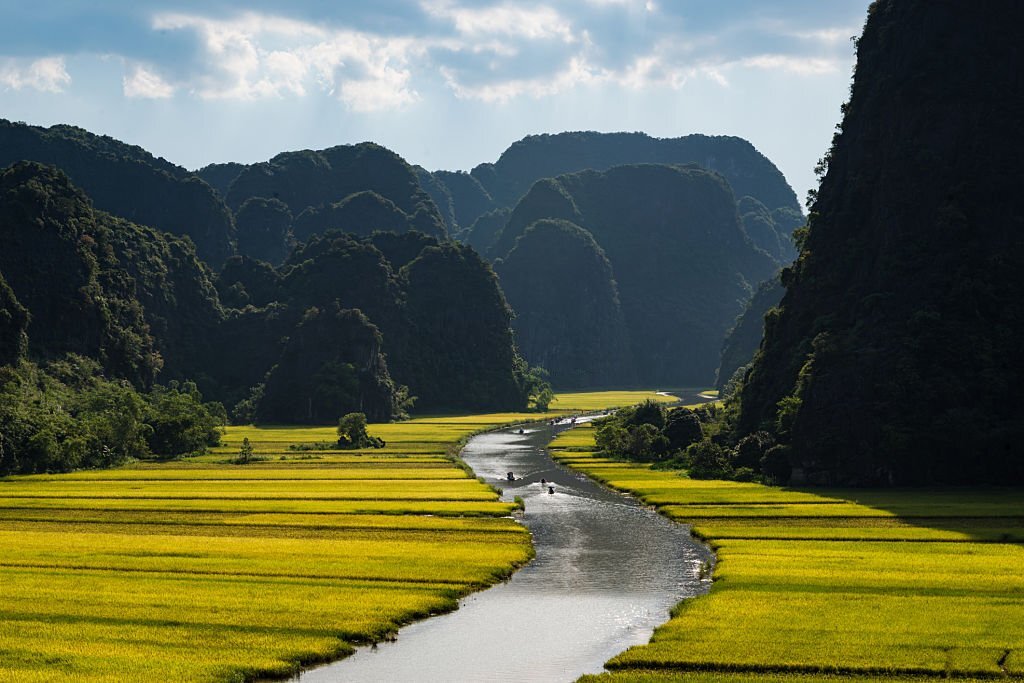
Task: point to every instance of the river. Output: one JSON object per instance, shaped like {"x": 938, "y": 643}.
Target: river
{"x": 607, "y": 572}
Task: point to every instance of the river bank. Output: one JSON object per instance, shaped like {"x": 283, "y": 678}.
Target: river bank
{"x": 606, "y": 572}
{"x": 834, "y": 584}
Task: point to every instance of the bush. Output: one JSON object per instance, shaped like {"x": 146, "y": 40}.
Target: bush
{"x": 744, "y": 474}
{"x": 776, "y": 464}
{"x": 642, "y": 442}
{"x": 181, "y": 423}
{"x": 68, "y": 416}
{"x": 707, "y": 460}
{"x": 682, "y": 428}
{"x": 352, "y": 433}
{"x": 751, "y": 448}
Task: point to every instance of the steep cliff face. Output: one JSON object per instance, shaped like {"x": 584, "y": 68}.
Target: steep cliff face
{"x": 97, "y": 285}
{"x": 58, "y": 259}
{"x": 331, "y": 365}
{"x": 13, "y": 326}
{"x": 895, "y": 354}
{"x": 568, "y": 317}
{"x": 444, "y": 321}
{"x": 743, "y": 340}
{"x": 682, "y": 263}
{"x": 127, "y": 181}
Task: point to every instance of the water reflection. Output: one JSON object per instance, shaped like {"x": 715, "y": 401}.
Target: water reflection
{"x": 607, "y": 571}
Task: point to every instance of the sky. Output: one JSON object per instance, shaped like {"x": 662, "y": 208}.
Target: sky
{"x": 447, "y": 84}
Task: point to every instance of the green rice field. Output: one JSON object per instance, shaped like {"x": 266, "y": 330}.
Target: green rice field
{"x": 203, "y": 570}
{"x": 831, "y": 585}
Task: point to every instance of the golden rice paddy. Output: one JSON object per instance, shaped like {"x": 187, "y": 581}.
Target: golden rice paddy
{"x": 814, "y": 585}
{"x": 203, "y": 570}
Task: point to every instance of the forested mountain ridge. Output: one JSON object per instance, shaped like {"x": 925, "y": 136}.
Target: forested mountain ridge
{"x": 138, "y": 300}
{"x": 568, "y": 316}
{"x": 302, "y": 343}
{"x": 129, "y": 182}
{"x": 503, "y": 183}
{"x": 681, "y": 262}
{"x": 444, "y": 320}
{"x": 894, "y": 357}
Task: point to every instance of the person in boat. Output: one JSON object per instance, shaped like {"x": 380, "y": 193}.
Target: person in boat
{"x": 510, "y": 477}
{"x": 521, "y": 431}
{"x": 543, "y": 481}
{"x": 551, "y": 489}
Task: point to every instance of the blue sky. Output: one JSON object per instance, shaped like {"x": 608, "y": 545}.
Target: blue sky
{"x": 445, "y": 83}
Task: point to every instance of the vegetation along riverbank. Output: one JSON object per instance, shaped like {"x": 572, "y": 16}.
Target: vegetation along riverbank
{"x": 205, "y": 570}
{"x": 830, "y": 584}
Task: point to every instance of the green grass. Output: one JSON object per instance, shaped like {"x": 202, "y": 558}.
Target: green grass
{"x": 837, "y": 585}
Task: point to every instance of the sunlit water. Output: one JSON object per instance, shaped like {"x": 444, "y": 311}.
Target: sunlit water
{"x": 607, "y": 571}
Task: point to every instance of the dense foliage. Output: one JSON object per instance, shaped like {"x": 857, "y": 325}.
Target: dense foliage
{"x": 650, "y": 432}
{"x": 441, "y": 195}
{"x": 127, "y": 181}
{"x": 681, "y": 261}
{"x": 352, "y": 433}
{"x": 568, "y": 318}
{"x": 264, "y": 229}
{"x": 769, "y": 230}
{"x": 894, "y": 356}
{"x": 137, "y": 299}
{"x": 13, "y": 326}
{"x": 361, "y": 213}
{"x": 484, "y": 231}
{"x": 444, "y": 320}
{"x": 331, "y": 365}
{"x": 319, "y": 179}
{"x": 68, "y": 416}
{"x": 535, "y": 157}
{"x": 744, "y": 339}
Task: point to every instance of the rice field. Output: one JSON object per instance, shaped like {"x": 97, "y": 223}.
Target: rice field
{"x": 204, "y": 570}
{"x": 831, "y": 585}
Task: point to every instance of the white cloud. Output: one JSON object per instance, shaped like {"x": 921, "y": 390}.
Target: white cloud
{"x": 145, "y": 84}
{"x": 801, "y": 66}
{"x": 826, "y": 36}
{"x": 47, "y": 74}
{"x": 647, "y": 5}
{"x": 259, "y": 56}
{"x": 481, "y": 52}
{"x": 577, "y": 72}
{"x": 538, "y": 22}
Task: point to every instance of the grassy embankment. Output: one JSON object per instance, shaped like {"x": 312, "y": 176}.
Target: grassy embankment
{"x": 831, "y": 585}
{"x": 201, "y": 570}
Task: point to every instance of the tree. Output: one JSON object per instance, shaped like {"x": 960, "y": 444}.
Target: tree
{"x": 708, "y": 460}
{"x": 352, "y": 433}
{"x": 538, "y": 389}
{"x": 245, "y": 453}
{"x": 542, "y": 400}
{"x": 682, "y": 428}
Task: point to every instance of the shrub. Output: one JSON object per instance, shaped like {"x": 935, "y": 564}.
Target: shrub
{"x": 776, "y": 464}
{"x": 352, "y": 433}
{"x": 707, "y": 460}
{"x": 751, "y": 448}
{"x": 682, "y": 428}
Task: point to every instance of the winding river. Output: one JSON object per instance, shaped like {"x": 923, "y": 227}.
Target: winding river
{"x": 607, "y": 572}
